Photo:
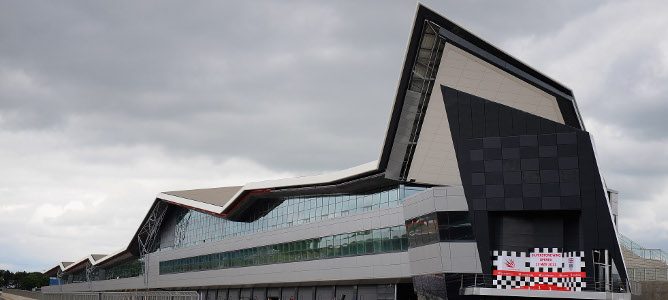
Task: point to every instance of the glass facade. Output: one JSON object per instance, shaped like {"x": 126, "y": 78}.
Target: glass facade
{"x": 375, "y": 241}
{"x": 79, "y": 276}
{"x": 193, "y": 227}
{"x": 441, "y": 226}
{"x": 131, "y": 268}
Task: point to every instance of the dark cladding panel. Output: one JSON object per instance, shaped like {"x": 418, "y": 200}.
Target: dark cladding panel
{"x": 306, "y": 293}
{"x": 519, "y": 231}
{"x": 222, "y": 294}
{"x": 477, "y": 118}
{"x": 533, "y": 125}
{"x": 464, "y": 114}
{"x": 260, "y": 293}
{"x": 324, "y": 292}
{"x": 491, "y": 119}
{"x": 234, "y": 294}
{"x": 246, "y": 294}
{"x": 547, "y": 126}
{"x": 514, "y": 162}
{"x": 274, "y": 293}
{"x": 567, "y": 109}
{"x": 519, "y": 122}
{"x": 288, "y": 293}
{"x": 346, "y": 292}
{"x": 505, "y": 121}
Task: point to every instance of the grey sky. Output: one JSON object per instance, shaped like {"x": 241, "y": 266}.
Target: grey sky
{"x": 105, "y": 104}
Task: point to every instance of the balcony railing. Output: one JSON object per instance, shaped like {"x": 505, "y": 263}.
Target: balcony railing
{"x": 646, "y": 253}
{"x": 469, "y": 281}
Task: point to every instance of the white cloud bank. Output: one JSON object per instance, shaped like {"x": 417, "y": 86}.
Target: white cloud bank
{"x": 66, "y": 201}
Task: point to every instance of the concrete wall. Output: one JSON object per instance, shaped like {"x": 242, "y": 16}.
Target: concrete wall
{"x": 444, "y": 257}
{"x": 349, "y": 269}
{"x": 449, "y": 198}
{"x": 95, "y": 286}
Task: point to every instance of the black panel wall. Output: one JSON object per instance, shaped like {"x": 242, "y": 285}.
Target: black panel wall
{"x": 529, "y": 182}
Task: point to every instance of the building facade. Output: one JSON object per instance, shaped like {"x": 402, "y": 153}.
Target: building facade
{"x": 487, "y": 186}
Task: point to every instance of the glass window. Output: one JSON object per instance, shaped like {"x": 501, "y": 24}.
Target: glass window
{"x": 337, "y": 245}
{"x": 386, "y": 237}
{"x": 377, "y": 241}
{"x": 347, "y": 244}
{"x": 344, "y": 245}
{"x": 455, "y": 226}
{"x": 352, "y": 243}
{"x": 361, "y": 239}
{"x": 396, "y": 234}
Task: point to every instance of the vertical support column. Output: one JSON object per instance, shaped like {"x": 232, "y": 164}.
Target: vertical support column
{"x": 147, "y": 237}
{"x": 607, "y": 271}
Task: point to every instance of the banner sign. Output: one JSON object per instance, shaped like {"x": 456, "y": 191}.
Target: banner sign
{"x": 546, "y": 260}
{"x": 540, "y": 269}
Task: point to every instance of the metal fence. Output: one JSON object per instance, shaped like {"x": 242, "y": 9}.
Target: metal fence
{"x": 149, "y": 295}
{"x": 637, "y": 249}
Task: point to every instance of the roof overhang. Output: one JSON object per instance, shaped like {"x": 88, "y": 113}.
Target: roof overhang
{"x": 114, "y": 257}
{"x": 90, "y": 259}
{"x": 229, "y": 201}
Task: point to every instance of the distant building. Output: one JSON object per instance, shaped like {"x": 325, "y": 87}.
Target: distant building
{"x": 487, "y": 185}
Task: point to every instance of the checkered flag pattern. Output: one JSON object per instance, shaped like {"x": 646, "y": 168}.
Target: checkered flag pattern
{"x": 575, "y": 283}
{"x": 505, "y": 281}
{"x": 508, "y": 282}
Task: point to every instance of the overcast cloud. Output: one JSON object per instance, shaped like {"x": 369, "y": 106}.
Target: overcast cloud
{"x": 105, "y": 104}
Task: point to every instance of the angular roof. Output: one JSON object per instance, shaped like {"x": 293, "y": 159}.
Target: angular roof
{"x": 58, "y": 268}
{"x": 220, "y": 200}
{"x": 214, "y": 196}
{"x": 91, "y": 258}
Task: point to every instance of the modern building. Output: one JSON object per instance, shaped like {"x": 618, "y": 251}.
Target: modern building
{"x": 487, "y": 186}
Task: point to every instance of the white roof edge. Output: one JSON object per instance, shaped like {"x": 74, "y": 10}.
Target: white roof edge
{"x": 101, "y": 260}
{"x": 63, "y": 267}
{"x": 90, "y": 259}
{"x": 305, "y": 180}
{"x": 314, "y": 179}
{"x": 190, "y": 203}
{"x": 87, "y": 257}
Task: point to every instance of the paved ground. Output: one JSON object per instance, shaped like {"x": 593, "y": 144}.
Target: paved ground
{"x": 6, "y": 296}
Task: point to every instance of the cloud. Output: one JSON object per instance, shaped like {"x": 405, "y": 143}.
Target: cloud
{"x": 103, "y": 105}
{"x": 69, "y": 200}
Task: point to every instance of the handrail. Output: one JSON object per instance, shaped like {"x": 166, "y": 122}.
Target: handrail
{"x": 639, "y": 250}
